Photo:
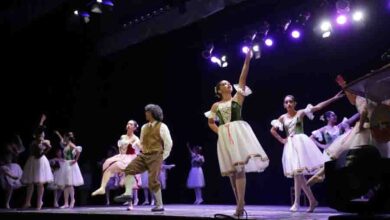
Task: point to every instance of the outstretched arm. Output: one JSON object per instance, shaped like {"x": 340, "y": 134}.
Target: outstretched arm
{"x": 59, "y": 136}
{"x": 243, "y": 75}
{"x": 189, "y": 148}
{"x": 321, "y": 105}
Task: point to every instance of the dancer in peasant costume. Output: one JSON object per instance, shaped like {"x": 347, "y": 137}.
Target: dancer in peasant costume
{"x": 69, "y": 173}
{"x": 127, "y": 144}
{"x": 195, "y": 178}
{"x": 37, "y": 169}
{"x": 238, "y": 149}
{"x": 300, "y": 154}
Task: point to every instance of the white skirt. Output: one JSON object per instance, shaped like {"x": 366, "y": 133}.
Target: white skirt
{"x": 301, "y": 156}
{"x": 195, "y": 178}
{"x": 7, "y": 182}
{"x": 238, "y": 149}
{"x": 69, "y": 175}
{"x": 37, "y": 171}
{"x": 337, "y": 147}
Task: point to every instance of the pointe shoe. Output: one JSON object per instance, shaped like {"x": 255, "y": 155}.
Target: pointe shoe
{"x": 64, "y": 207}
{"x": 7, "y": 206}
{"x": 72, "y": 204}
{"x": 55, "y": 205}
{"x": 135, "y": 203}
{"x": 152, "y": 202}
{"x": 312, "y": 206}
{"x": 130, "y": 207}
{"x": 39, "y": 205}
{"x": 294, "y": 208}
{"x": 100, "y": 191}
{"x": 315, "y": 179}
{"x": 239, "y": 213}
{"x": 26, "y": 206}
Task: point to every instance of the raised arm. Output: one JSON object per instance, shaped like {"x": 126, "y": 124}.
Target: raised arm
{"x": 43, "y": 119}
{"x": 243, "y": 75}
{"x": 60, "y": 137}
{"x": 321, "y": 105}
{"x": 19, "y": 143}
{"x": 189, "y": 148}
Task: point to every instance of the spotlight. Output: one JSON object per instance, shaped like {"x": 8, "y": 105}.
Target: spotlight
{"x": 286, "y": 24}
{"x": 85, "y": 16}
{"x": 256, "y": 51}
{"x": 341, "y": 19}
{"x": 269, "y": 42}
{"x": 245, "y": 49}
{"x": 216, "y": 60}
{"x": 326, "y": 34}
{"x": 295, "y": 34}
{"x": 325, "y": 26}
{"x": 98, "y": 6}
{"x": 208, "y": 51}
{"x": 221, "y": 62}
{"x": 357, "y": 16}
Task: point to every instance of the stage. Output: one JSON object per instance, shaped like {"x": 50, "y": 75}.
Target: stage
{"x": 171, "y": 212}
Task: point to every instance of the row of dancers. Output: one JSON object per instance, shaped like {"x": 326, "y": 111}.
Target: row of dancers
{"x": 238, "y": 148}
{"x": 239, "y": 151}
{"x": 62, "y": 173}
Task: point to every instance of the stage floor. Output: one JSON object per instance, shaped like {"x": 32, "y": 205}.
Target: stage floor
{"x": 180, "y": 211}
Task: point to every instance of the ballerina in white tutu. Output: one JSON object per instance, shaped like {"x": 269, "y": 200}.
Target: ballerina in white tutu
{"x": 55, "y": 164}
{"x": 128, "y": 145}
{"x": 37, "y": 168}
{"x": 300, "y": 154}
{"x": 10, "y": 171}
{"x": 332, "y": 134}
{"x": 195, "y": 178}
{"x": 69, "y": 173}
{"x": 238, "y": 149}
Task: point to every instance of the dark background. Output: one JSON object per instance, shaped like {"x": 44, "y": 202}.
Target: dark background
{"x": 52, "y": 66}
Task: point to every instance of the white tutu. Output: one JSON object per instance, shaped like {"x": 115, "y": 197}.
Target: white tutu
{"x": 301, "y": 156}
{"x": 37, "y": 171}
{"x": 238, "y": 149}
{"x": 69, "y": 175}
{"x": 57, "y": 175}
{"x": 195, "y": 178}
{"x": 6, "y": 181}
